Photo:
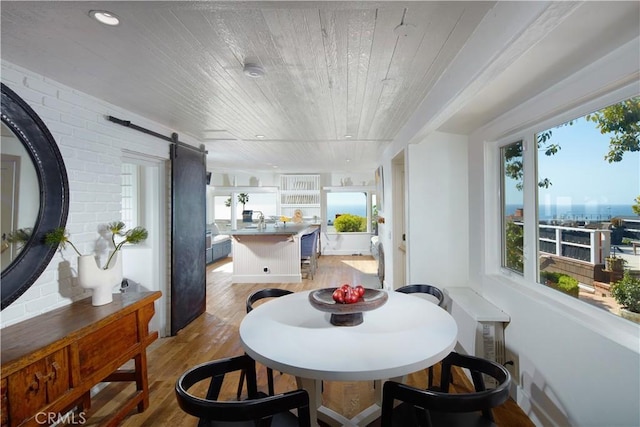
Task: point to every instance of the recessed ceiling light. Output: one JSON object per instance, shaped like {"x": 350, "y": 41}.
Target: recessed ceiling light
{"x": 104, "y": 17}
{"x": 348, "y": 136}
{"x": 260, "y": 136}
{"x": 253, "y": 70}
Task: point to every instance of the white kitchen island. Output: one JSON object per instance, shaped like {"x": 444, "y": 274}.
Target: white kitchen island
{"x": 270, "y": 255}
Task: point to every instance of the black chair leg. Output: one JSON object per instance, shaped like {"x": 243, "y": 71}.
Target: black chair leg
{"x": 270, "y": 381}
{"x": 240, "y": 384}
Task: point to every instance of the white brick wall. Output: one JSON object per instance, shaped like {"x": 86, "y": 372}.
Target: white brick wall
{"x": 92, "y": 150}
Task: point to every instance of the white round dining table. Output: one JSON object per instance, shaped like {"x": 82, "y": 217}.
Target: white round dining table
{"x": 405, "y": 335}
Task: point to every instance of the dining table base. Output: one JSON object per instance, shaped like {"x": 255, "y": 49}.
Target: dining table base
{"x": 334, "y": 419}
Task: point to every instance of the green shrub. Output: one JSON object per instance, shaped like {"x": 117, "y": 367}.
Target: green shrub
{"x": 350, "y": 223}
{"x": 626, "y": 292}
{"x": 568, "y": 285}
{"x": 561, "y": 282}
{"x": 549, "y": 276}
{"x": 514, "y": 241}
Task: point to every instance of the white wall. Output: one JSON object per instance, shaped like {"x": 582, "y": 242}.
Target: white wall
{"x": 241, "y": 178}
{"x": 92, "y": 150}
{"x": 346, "y": 179}
{"x": 576, "y": 364}
{"x": 437, "y": 206}
{"x": 345, "y": 243}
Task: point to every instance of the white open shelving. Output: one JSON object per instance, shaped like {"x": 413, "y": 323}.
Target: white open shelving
{"x": 300, "y": 192}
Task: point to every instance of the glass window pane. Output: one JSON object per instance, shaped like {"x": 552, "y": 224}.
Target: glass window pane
{"x": 589, "y": 179}
{"x": 352, "y": 206}
{"x": 512, "y": 201}
{"x": 222, "y": 208}
{"x": 263, "y": 202}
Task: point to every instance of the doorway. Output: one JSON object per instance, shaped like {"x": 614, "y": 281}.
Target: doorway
{"x": 144, "y": 203}
{"x": 399, "y": 229}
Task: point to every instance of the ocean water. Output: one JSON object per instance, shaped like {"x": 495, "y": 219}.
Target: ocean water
{"x": 579, "y": 212}
{"x": 332, "y": 211}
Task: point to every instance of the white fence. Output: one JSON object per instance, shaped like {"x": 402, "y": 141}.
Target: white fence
{"x": 584, "y": 244}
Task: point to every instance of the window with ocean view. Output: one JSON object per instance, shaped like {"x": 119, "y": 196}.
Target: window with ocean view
{"x": 588, "y": 172}
{"x": 351, "y": 207}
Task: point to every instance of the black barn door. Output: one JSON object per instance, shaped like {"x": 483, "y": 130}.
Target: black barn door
{"x": 188, "y": 199}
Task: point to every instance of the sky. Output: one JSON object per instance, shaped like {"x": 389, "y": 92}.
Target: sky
{"x": 579, "y": 170}
{"x": 579, "y": 173}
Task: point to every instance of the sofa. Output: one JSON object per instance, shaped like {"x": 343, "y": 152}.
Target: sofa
{"x": 218, "y": 245}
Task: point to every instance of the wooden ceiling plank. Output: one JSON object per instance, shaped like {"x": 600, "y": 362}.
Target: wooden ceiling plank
{"x": 290, "y": 30}
{"x": 360, "y": 39}
{"x": 335, "y": 53}
{"x": 402, "y": 67}
{"x": 383, "y": 46}
{"x": 445, "y": 34}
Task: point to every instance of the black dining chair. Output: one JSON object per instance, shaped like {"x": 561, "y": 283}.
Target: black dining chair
{"x": 441, "y": 408}
{"x": 258, "y": 410}
{"x": 428, "y": 290}
{"x": 423, "y": 289}
{"x": 251, "y": 300}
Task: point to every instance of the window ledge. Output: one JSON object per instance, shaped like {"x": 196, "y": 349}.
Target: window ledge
{"x": 602, "y": 322}
{"x": 361, "y": 233}
{"x": 350, "y": 188}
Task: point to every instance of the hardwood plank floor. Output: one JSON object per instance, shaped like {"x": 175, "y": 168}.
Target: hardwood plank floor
{"x": 214, "y": 335}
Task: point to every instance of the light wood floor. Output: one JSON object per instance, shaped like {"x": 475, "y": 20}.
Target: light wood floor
{"x": 214, "y": 335}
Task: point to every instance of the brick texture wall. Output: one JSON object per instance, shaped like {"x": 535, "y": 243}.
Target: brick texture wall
{"x": 92, "y": 149}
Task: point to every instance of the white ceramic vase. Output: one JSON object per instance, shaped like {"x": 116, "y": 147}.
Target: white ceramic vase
{"x": 100, "y": 281}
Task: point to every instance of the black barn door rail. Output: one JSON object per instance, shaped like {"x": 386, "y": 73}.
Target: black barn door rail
{"x": 172, "y": 139}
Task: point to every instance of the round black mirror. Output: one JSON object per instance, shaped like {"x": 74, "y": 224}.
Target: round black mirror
{"x": 33, "y": 256}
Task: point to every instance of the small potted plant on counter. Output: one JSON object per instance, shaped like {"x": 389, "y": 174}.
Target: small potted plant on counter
{"x": 247, "y": 215}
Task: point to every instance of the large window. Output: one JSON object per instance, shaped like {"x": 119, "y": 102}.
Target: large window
{"x": 255, "y": 201}
{"x": 587, "y": 187}
{"x": 347, "y": 211}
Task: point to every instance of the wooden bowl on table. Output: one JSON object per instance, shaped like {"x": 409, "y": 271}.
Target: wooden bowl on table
{"x": 347, "y": 314}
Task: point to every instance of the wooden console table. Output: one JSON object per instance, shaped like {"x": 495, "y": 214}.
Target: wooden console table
{"x": 51, "y": 362}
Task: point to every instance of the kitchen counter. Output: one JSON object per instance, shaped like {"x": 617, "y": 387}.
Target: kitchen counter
{"x": 270, "y": 255}
{"x": 270, "y": 230}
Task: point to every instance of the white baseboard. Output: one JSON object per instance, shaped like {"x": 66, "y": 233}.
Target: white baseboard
{"x": 267, "y": 278}
{"x": 344, "y": 252}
